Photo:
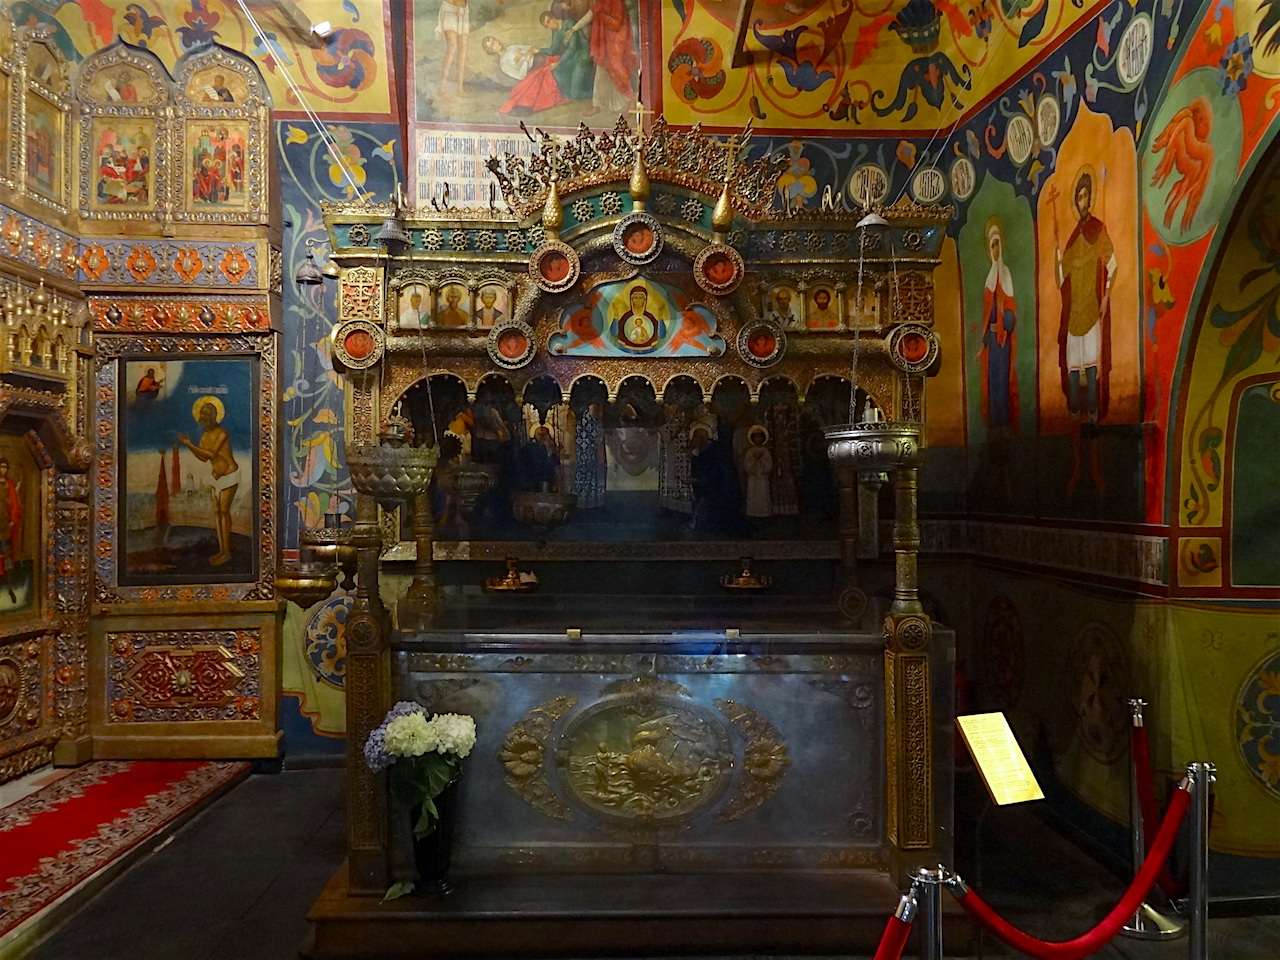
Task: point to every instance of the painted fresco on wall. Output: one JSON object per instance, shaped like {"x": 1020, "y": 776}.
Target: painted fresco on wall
{"x": 945, "y": 402}
{"x": 122, "y": 164}
{"x": 44, "y": 147}
{"x": 1087, "y": 291}
{"x": 999, "y": 345}
{"x": 346, "y": 73}
{"x": 21, "y": 538}
{"x": 314, "y": 476}
{"x": 1255, "y": 493}
{"x": 216, "y": 170}
{"x": 832, "y": 67}
{"x": 1238, "y": 337}
{"x": 489, "y": 63}
{"x": 1235, "y": 43}
{"x": 188, "y": 471}
{"x": 1000, "y": 312}
{"x": 1207, "y": 671}
{"x": 1191, "y": 158}
{"x": 1258, "y": 722}
{"x": 311, "y": 404}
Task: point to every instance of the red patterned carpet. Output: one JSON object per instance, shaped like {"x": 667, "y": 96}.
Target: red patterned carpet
{"x": 55, "y": 838}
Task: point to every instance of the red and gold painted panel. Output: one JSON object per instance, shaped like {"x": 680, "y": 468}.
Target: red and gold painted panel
{"x": 161, "y": 676}
{"x": 140, "y": 263}
{"x": 179, "y": 315}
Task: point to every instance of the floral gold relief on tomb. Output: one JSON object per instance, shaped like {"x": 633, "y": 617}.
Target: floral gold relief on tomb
{"x": 523, "y": 757}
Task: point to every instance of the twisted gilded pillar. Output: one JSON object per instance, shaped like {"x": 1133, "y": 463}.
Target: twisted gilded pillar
{"x": 368, "y": 686}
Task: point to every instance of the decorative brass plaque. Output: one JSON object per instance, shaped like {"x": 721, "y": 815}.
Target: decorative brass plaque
{"x": 644, "y": 757}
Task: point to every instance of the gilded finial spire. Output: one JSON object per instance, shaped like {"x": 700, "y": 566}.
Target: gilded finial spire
{"x": 552, "y": 211}
{"x": 722, "y": 215}
{"x": 639, "y": 176}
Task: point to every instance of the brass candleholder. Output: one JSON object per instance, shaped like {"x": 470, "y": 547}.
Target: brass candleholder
{"x": 746, "y": 581}
{"x": 332, "y": 546}
{"x": 306, "y": 583}
{"x": 513, "y": 582}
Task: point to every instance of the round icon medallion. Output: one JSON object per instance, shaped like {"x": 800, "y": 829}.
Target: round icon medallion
{"x": 637, "y": 238}
{"x": 762, "y": 344}
{"x": 358, "y": 344}
{"x": 510, "y": 344}
{"x": 554, "y": 266}
{"x": 913, "y": 347}
{"x": 718, "y": 269}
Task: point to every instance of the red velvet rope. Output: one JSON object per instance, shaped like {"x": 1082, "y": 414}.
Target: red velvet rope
{"x": 893, "y": 940}
{"x": 1173, "y": 889}
{"x": 1100, "y": 935}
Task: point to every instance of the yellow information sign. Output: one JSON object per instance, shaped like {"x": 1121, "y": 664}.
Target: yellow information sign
{"x": 1004, "y": 769}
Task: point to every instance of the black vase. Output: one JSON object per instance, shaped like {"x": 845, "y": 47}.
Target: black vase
{"x": 431, "y": 853}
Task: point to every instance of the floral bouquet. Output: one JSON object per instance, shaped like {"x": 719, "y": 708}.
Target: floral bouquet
{"x": 421, "y": 756}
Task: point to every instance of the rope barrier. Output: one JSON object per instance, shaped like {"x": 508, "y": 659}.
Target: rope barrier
{"x": 1141, "y": 749}
{"x": 1100, "y": 935}
{"x": 898, "y": 929}
{"x": 896, "y": 932}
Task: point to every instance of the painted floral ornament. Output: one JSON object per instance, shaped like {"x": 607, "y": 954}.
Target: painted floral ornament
{"x": 762, "y": 343}
{"x": 637, "y": 239}
{"x": 554, "y": 266}
{"x": 718, "y": 269}
{"x": 358, "y": 344}
{"x": 510, "y": 344}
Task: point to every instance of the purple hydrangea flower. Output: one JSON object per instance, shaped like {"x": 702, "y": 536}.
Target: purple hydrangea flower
{"x": 375, "y": 750}
{"x": 402, "y": 709}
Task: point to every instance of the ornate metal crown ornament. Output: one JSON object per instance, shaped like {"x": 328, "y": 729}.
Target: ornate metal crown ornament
{"x": 690, "y": 159}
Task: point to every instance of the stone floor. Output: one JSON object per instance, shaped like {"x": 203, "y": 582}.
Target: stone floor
{"x": 236, "y": 884}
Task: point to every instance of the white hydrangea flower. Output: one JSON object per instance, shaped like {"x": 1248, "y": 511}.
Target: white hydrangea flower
{"x": 455, "y": 733}
{"x": 410, "y": 736}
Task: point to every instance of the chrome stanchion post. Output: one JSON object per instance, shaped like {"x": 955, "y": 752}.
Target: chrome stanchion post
{"x": 1148, "y": 923}
{"x": 929, "y": 883}
{"x": 1202, "y": 777}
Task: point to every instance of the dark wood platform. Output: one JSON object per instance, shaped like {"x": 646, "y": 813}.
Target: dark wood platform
{"x": 624, "y": 916}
